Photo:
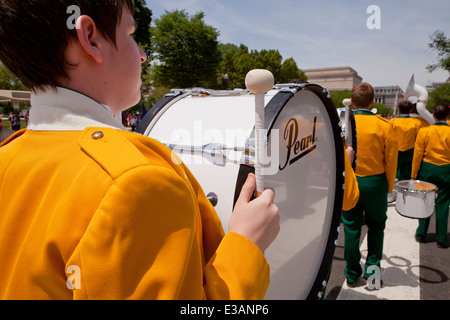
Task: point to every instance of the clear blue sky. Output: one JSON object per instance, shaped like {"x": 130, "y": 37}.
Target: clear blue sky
{"x": 329, "y": 33}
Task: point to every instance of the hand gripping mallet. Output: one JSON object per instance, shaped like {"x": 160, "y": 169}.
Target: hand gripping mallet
{"x": 259, "y": 81}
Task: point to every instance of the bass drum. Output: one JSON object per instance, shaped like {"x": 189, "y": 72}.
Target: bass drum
{"x": 212, "y": 132}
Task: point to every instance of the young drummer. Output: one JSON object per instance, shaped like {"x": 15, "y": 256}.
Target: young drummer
{"x": 406, "y": 129}
{"x": 431, "y": 163}
{"x": 90, "y": 210}
{"x": 375, "y": 173}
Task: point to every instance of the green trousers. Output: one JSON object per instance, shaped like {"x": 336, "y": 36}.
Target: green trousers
{"x": 404, "y": 164}
{"x": 371, "y": 209}
{"x": 439, "y": 176}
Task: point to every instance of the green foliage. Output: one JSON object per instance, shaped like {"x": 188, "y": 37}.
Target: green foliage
{"x": 440, "y": 95}
{"x": 187, "y": 50}
{"x": 382, "y": 109}
{"x": 441, "y": 44}
{"x": 143, "y": 17}
{"x": 338, "y": 96}
{"x": 290, "y": 71}
{"x": 8, "y": 81}
{"x": 237, "y": 61}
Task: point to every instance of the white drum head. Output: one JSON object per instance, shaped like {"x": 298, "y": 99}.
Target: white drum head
{"x": 305, "y": 188}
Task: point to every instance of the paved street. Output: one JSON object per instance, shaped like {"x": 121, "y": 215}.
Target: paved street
{"x": 410, "y": 271}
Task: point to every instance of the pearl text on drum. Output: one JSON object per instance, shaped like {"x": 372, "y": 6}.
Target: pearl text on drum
{"x": 298, "y": 147}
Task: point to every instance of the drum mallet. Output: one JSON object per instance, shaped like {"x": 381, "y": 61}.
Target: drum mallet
{"x": 346, "y": 103}
{"x": 259, "y": 81}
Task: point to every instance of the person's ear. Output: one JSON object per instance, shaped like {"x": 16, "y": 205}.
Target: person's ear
{"x": 89, "y": 37}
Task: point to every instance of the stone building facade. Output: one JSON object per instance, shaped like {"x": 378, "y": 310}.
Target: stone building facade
{"x": 334, "y": 78}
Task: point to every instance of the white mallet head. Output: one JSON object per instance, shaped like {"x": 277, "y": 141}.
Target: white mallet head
{"x": 347, "y": 102}
{"x": 259, "y": 80}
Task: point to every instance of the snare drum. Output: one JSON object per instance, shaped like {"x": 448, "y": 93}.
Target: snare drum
{"x": 213, "y": 133}
{"x": 415, "y": 198}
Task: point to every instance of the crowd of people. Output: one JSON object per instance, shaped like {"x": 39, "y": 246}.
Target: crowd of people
{"x": 131, "y": 120}
{"x": 403, "y": 148}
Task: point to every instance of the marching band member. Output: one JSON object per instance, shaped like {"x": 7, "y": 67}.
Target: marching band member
{"x": 406, "y": 129}
{"x": 90, "y": 210}
{"x": 351, "y": 191}
{"x": 431, "y": 163}
{"x": 375, "y": 173}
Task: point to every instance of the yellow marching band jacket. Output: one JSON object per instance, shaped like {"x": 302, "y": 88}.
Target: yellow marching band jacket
{"x": 431, "y": 150}
{"x": 406, "y": 130}
{"x": 377, "y": 147}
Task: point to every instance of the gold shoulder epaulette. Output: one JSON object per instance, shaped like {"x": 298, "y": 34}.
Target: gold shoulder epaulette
{"x": 111, "y": 150}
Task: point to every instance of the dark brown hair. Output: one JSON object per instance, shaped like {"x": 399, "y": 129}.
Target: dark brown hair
{"x": 405, "y": 107}
{"x": 362, "y": 95}
{"x": 441, "y": 112}
{"x": 34, "y": 35}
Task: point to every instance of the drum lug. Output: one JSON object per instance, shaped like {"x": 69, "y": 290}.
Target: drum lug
{"x": 213, "y": 198}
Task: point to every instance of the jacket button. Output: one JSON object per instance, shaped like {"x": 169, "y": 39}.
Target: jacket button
{"x": 97, "y": 135}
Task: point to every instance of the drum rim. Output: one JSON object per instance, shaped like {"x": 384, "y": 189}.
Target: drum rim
{"x": 402, "y": 189}
{"x": 161, "y": 104}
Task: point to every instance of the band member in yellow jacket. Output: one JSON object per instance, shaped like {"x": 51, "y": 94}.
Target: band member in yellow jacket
{"x": 431, "y": 163}
{"x": 406, "y": 129}
{"x": 90, "y": 210}
{"x": 375, "y": 172}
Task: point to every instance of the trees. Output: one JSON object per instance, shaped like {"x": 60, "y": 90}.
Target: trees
{"x": 187, "y": 50}
{"x": 441, "y": 44}
{"x": 338, "y": 96}
{"x": 237, "y": 61}
{"x": 143, "y": 17}
{"x": 439, "y": 95}
{"x": 290, "y": 71}
{"x": 188, "y": 54}
{"x": 8, "y": 81}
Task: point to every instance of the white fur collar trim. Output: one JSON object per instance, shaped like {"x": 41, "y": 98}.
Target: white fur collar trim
{"x": 67, "y": 110}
